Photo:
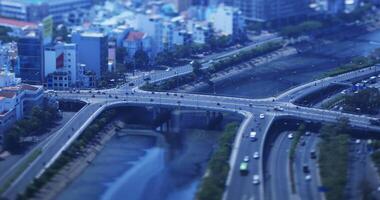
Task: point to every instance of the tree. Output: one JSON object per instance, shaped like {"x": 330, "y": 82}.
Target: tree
{"x": 61, "y": 33}
{"x": 141, "y": 58}
{"x": 121, "y": 53}
{"x": 197, "y": 68}
{"x": 12, "y": 141}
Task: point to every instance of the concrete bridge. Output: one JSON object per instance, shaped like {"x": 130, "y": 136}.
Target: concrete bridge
{"x": 250, "y": 109}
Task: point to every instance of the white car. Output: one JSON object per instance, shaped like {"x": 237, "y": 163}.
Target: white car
{"x": 290, "y": 135}
{"x": 256, "y": 179}
{"x": 256, "y": 155}
{"x": 262, "y": 116}
{"x": 308, "y": 177}
{"x": 246, "y": 158}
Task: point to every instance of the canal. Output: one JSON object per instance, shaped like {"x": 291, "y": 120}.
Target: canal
{"x": 135, "y": 168}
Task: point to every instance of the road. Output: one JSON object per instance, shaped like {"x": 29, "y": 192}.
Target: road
{"x": 278, "y": 167}
{"x": 241, "y": 187}
{"x": 246, "y": 107}
{"x": 306, "y": 189}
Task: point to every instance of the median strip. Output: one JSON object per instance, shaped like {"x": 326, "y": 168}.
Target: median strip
{"x": 20, "y": 169}
{"x": 214, "y": 182}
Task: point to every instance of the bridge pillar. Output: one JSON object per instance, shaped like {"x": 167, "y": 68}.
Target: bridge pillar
{"x": 176, "y": 119}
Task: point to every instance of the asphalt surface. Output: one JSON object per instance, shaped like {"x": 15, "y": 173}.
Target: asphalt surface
{"x": 278, "y": 168}
{"x": 244, "y": 106}
{"x": 306, "y": 189}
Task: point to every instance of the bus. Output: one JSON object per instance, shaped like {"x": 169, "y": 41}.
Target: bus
{"x": 244, "y": 168}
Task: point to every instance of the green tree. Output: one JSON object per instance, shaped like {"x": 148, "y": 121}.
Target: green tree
{"x": 121, "y": 53}
{"x": 141, "y": 59}
{"x": 197, "y": 68}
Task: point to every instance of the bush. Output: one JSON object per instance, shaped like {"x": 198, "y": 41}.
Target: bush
{"x": 333, "y": 166}
{"x": 212, "y": 186}
{"x": 67, "y": 156}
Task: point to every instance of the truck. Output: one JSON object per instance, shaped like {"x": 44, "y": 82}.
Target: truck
{"x": 243, "y": 168}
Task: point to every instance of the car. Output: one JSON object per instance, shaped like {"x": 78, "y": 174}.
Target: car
{"x": 278, "y": 108}
{"x": 116, "y": 97}
{"x": 256, "y": 179}
{"x": 303, "y": 143}
{"x": 110, "y": 96}
{"x": 153, "y": 92}
{"x": 218, "y": 104}
{"x": 290, "y": 135}
{"x": 250, "y": 105}
{"x": 256, "y": 155}
{"x": 131, "y": 84}
{"x": 151, "y": 100}
{"x": 93, "y": 96}
{"x": 307, "y": 133}
{"x": 167, "y": 94}
{"x": 98, "y": 92}
{"x": 181, "y": 96}
{"x": 305, "y": 169}
{"x": 262, "y": 116}
{"x": 308, "y": 177}
{"x": 313, "y": 154}
{"x": 246, "y": 158}
{"x": 90, "y": 91}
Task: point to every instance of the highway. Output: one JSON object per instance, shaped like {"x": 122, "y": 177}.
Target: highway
{"x": 306, "y": 189}
{"x": 278, "y": 168}
{"x": 238, "y": 187}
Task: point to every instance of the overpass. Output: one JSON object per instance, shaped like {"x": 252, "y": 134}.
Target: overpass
{"x": 248, "y": 108}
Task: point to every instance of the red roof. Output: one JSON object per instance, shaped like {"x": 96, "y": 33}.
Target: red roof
{"x": 28, "y": 87}
{"x": 15, "y": 23}
{"x": 133, "y": 36}
{"x": 7, "y": 94}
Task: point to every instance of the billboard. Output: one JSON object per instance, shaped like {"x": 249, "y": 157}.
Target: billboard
{"x": 47, "y": 23}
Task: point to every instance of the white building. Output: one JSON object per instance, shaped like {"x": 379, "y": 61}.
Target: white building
{"x": 60, "y": 63}
{"x": 137, "y": 41}
{"x": 226, "y": 20}
{"x": 37, "y": 10}
{"x": 153, "y": 26}
{"x": 15, "y": 100}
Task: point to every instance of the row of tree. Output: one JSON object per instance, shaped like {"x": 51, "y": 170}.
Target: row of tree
{"x": 333, "y": 158}
{"x": 366, "y": 101}
{"x": 214, "y": 184}
{"x": 89, "y": 136}
{"x": 35, "y": 124}
{"x": 325, "y": 22}
{"x": 204, "y": 75}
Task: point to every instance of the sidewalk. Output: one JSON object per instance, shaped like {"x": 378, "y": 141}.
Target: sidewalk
{"x": 76, "y": 167}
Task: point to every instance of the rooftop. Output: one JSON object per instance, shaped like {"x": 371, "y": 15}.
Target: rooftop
{"x": 134, "y": 36}
{"x": 15, "y": 23}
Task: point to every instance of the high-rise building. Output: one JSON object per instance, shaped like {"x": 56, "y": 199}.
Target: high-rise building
{"x": 181, "y": 5}
{"x": 92, "y": 51}
{"x": 335, "y": 6}
{"x": 271, "y": 10}
{"x": 30, "y": 68}
{"x": 31, "y": 10}
{"x": 60, "y": 63}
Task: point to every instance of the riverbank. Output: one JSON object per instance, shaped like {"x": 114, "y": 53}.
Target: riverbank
{"x": 239, "y": 69}
{"x": 77, "y": 166}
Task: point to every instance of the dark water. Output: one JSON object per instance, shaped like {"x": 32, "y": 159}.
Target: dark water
{"x": 134, "y": 168}
{"x": 277, "y": 76}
